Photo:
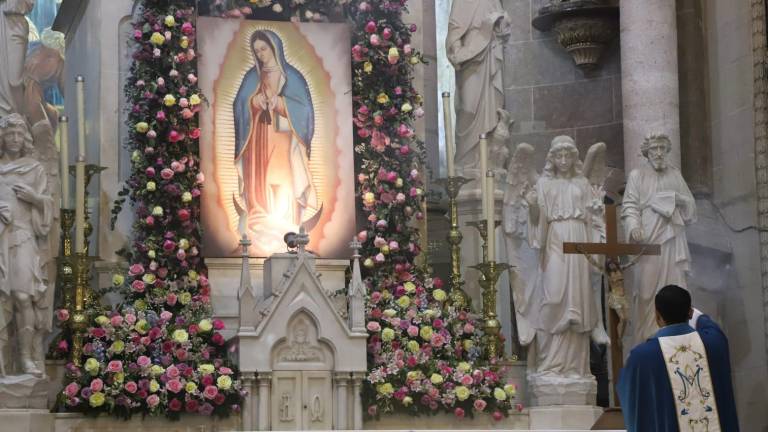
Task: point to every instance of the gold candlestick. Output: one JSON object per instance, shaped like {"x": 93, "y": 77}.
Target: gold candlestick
{"x": 490, "y": 272}
{"x": 79, "y": 319}
{"x": 65, "y": 270}
{"x": 452, "y": 185}
{"x": 482, "y": 229}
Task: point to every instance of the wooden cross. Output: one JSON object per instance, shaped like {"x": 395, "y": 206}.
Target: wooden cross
{"x": 612, "y": 250}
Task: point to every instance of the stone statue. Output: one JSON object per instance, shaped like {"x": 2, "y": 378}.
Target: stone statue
{"x": 14, "y": 37}
{"x": 657, "y": 205}
{"x": 477, "y": 30}
{"x": 559, "y": 305}
{"x": 26, "y": 216}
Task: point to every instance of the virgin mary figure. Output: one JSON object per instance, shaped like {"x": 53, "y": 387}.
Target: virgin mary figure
{"x": 274, "y": 127}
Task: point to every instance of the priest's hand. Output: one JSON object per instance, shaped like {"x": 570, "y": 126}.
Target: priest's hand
{"x": 637, "y": 235}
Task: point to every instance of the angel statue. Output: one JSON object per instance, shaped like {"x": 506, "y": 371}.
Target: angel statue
{"x": 558, "y": 311}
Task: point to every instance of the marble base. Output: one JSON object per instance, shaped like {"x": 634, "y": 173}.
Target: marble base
{"x": 26, "y": 420}
{"x": 546, "y": 390}
{"x": 71, "y": 422}
{"x": 563, "y": 417}
{"x": 444, "y": 421}
{"x": 24, "y": 391}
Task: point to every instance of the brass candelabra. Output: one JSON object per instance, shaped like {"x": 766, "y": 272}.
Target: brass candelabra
{"x": 65, "y": 277}
{"x": 79, "y": 320}
{"x": 489, "y": 276}
{"x": 482, "y": 228}
{"x": 452, "y": 185}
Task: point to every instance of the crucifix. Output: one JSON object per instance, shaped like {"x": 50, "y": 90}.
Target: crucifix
{"x": 612, "y": 250}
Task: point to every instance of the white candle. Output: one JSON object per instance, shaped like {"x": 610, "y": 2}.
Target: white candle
{"x": 481, "y": 176}
{"x": 64, "y": 160}
{"x": 491, "y": 220}
{"x": 80, "y": 95}
{"x": 450, "y": 148}
{"x": 80, "y": 205}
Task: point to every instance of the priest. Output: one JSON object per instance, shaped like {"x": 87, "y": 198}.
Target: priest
{"x": 680, "y": 379}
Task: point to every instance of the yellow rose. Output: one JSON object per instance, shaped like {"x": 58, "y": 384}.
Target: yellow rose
{"x": 407, "y": 400}
{"x": 389, "y": 313}
{"x": 149, "y": 278}
{"x": 186, "y": 197}
{"x": 462, "y": 393}
{"x": 180, "y": 335}
{"x": 419, "y": 99}
{"x": 151, "y": 186}
{"x": 140, "y": 305}
{"x": 92, "y": 366}
{"x": 136, "y": 156}
{"x": 413, "y": 346}
{"x": 185, "y": 298}
{"x": 499, "y": 394}
{"x": 170, "y": 21}
{"x": 409, "y": 287}
{"x": 399, "y": 182}
{"x": 413, "y": 375}
{"x": 384, "y": 249}
{"x": 120, "y": 377}
{"x": 184, "y": 244}
{"x": 436, "y": 379}
{"x": 142, "y": 326}
{"x": 382, "y": 98}
{"x": 117, "y": 346}
{"x": 415, "y": 60}
{"x": 387, "y": 335}
{"x": 426, "y": 333}
{"x": 386, "y": 295}
{"x": 190, "y": 387}
{"x": 117, "y": 279}
{"x": 224, "y": 382}
{"x": 151, "y": 254}
{"x": 406, "y": 107}
{"x": 385, "y": 389}
{"x": 184, "y": 43}
{"x": 439, "y": 295}
{"x": 169, "y": 100}
{"x": 206, "y": 368}
{"x": 463, "y": 367}
{"x": 96, "y": 399}
{"x": 194, "y": 99}
{"x": 157, "y": 211}
{"x": 192, "y": 275}
{"x": 101, "y": 320}
{"x": 510, "y": 389}
{"x": 205, "y": 325}
{"x": 404, "y": 301}
{"x": 142, "y": 127}
{"x": 154, "y": 386}
{"x": 156, "y": 370}
{"x": 157, "y": 38}
{"x": 393, "y": 54}
{"x": 368, "y": 67}
{"x": 468, "y": 344}
{"x": 369, "y": 199}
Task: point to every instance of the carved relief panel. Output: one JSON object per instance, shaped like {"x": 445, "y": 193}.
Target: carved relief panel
{"x": 302, "y": 400}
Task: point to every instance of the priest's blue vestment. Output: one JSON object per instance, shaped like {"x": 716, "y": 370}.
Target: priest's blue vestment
{"x": 644, "y": 386}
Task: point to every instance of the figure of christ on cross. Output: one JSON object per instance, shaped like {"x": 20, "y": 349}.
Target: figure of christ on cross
{"x": 612, "y": 250}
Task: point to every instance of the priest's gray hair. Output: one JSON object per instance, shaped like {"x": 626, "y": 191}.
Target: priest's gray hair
{"x": 655, "y": 137}
{"x": 16, "y": 120}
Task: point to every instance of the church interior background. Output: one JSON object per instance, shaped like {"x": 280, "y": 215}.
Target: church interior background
{"x": 297, "y": 340}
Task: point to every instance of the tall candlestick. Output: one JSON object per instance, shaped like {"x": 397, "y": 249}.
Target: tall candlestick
{"x": 64, "y": 160}
{"x": 80, "y": 204}
{"x": 450, "y": 147}
{"x": 483, "y": 169}
{"x": 80, "y": 95}
{"x": 491, "y": 219}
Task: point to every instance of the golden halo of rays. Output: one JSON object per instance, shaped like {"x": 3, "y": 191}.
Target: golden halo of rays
{"x": 239, "y": 59}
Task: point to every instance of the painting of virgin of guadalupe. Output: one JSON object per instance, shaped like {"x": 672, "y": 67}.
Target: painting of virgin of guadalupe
{"x": 274, "y": 126}
{"x": 276, "y": 147}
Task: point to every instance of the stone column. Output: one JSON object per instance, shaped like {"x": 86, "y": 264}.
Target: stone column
{"x": 250, "y": 401}
{"x": 342, "y": 399}
{"x": 649, "y": 77}
{"x": 265, "y": 382}
{"x": 357, "y": 404}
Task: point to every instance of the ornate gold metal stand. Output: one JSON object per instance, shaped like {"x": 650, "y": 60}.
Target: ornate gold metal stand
{"x": 482, "y": 228}
{"x": 79, "y": 320}
{"x": 65, "y": 278}
{"x": 490, "y": 272}
{"x": 452, "y": 185}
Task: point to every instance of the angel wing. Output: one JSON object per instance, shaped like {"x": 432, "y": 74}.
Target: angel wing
{"x": 604, "y": 179}
{"x": 521, "y": 176}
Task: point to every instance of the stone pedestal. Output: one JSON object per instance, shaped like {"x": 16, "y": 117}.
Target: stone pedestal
{"x": 564, "y": 417}
{"x": 445, "y": 421}
{"x": 548, "y": 390}
{"x": 24, "y": 392}
{"x": 26, "y": 420}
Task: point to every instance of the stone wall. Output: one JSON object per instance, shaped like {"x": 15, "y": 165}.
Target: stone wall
{"x": 548, "y": 96}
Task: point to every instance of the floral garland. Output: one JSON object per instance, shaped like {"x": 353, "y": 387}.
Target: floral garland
{"x": 159, "y": 353}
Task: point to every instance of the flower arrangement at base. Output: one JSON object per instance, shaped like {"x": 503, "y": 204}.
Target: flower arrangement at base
{"x": 160, "y": 352}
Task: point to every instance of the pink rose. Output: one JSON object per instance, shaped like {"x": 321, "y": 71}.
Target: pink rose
{"x": 171, "y": 299}
{"x": 166, "y": 173}
{"x": 131, "y": 387}
{"x": 387, "y": 33}
{"x": 480, "y": 404}
{"x": 375, "y": 40}
{"x": 413, "y": 331}
{"x": 370, "y": 27}
{"x": 137, "y": 34}
{"x": 195, "y": 133}
{"x": 187, "y": 28}
{"x": 136, "y": 269}
{"x": 218, "y": 324}
{"x": 187, "y": 114}
{"x": 114, "y": 366}
{"x": 153, "y": 400}
{"x": 183, "y": 215}
{"x": 192, "y": 79}
{"x": 373, "y": 326}
{"x": 200, "y": 178}
{"x": 130, "y": 318}
{"x": 497, "y": 415}
{"x": 62, "y": 314}
{"x": 138, "y": 286}
{"x": 225, "y": 370}
{"x": 166, "y": 315}
{"x": 116, "y": 320}
{"x": 175, "y": 136}
{"x": 469, "y": 328}
{"x": 210, "y": 392}
{"x": 143, "y": 361}
{"x": 71, "y": 389}
{"x": 459, "y": 412}
{"x": 466, "y": 380}
{"x": 177, "y": 166}
{"x": 174, "y": 385}
{"x": 160, "y": 116}
{"x": 97, "y": 384}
